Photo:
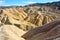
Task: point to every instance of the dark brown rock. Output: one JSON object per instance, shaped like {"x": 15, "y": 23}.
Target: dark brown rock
{"x": 46, "y": 32}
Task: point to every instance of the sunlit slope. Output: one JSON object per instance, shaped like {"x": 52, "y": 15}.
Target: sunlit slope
{"x": 11, "y": 32}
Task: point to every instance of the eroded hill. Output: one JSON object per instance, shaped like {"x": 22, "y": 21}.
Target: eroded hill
{"x": 26, "y": 18}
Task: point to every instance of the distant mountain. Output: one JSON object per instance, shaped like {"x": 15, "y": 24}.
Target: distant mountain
{"x": 57, "y": 4}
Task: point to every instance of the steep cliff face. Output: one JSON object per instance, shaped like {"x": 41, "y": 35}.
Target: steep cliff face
{"x": 25, "y": 20}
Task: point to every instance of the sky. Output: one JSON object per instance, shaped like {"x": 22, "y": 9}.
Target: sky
{"x": 22, "y": 2}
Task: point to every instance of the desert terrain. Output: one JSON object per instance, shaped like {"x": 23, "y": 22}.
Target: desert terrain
{"x": 30, "y": 22}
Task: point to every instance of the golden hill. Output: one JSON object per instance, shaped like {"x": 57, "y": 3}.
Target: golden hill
{"x": 23, "y": 20}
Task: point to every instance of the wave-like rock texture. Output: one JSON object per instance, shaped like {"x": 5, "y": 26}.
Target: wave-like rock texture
{"x": 24, "y": 20}
{"x": 49, "y": 31}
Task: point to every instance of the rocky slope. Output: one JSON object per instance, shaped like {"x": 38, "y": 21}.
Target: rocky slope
{"x": 46, "y": 32}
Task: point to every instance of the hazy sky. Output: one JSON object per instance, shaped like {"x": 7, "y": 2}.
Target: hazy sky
{"x": 22, "y": 2}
